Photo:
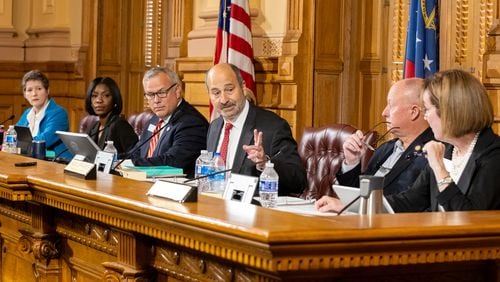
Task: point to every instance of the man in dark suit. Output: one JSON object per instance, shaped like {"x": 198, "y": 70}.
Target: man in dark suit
{"x": 254, "y": 135}
{"x": 180, "y": 130}
{"x": 396, "y": 159}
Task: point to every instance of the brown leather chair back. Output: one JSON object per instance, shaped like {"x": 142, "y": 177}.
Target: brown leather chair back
{"x": 86, "y": 123}
{"x": 321, "y": 152}
{"x": 138, "y": 121}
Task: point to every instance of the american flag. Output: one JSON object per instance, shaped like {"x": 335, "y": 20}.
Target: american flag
{"x": 422, "y": 39}
{"x": 234, "y": 40}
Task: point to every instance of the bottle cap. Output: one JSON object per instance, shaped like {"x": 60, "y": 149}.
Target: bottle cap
{"x": 269, "y": 164}
{"x": 109, "y": 142}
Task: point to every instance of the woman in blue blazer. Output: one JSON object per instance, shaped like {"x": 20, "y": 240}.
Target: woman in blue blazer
{"x": 45, "y": 117}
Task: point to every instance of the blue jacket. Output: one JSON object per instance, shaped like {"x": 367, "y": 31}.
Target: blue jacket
{"x": 55, "y": 118}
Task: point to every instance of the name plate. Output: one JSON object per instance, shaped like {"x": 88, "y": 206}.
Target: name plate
{"x": 240, "y": 188}
{"x": 174, "y": 191}
{"x": 81, "y": 169}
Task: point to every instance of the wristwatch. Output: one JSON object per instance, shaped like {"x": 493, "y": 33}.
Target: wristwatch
{"x": 445, "y": 180}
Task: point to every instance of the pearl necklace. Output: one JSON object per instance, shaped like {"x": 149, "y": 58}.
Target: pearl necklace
{"x": 459, "y": 162}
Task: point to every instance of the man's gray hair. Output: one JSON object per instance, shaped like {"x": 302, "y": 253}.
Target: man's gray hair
{"x": 174, "y": 78}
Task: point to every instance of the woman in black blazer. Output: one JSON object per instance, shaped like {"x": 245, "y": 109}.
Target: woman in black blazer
{"x": 105, "y": 101}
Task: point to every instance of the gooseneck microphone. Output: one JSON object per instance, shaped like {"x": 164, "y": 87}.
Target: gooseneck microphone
{"x": 229, "y": 169}
{"x": 348, "y": 205}
{"x": 11, "y": 117}
{"x": 134, "y": 149}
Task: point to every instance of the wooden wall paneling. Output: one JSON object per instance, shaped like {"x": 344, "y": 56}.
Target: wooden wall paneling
{"x": 373, "y": 41}
{"x": 302, "y": 36}
{"x": 135, "y": 64}
{"x": 331, "y": 28}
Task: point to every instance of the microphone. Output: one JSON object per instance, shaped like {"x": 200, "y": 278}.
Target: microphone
{"x": 133, "y": 150}
{"x": 229, "y": 169}
{"x": 348, "y": 205}
{"x": 11, "y": 117}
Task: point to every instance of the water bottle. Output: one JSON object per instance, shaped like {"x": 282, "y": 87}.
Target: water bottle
{"x": 268, "y": 186}
{"x": 110, "y": 148}
{"x": 202, "y": 168}
{"x": 10, "y": 140}
{"x": 218, "y": 181}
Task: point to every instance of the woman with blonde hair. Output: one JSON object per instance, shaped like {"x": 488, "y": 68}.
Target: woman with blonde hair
{"x": 464, "y": 163}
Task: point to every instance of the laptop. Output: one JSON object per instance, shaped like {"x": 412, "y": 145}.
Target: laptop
{"x": 24, "y": 139}
{"x": 80, "y": 144}
{"x": 347, "y": 194}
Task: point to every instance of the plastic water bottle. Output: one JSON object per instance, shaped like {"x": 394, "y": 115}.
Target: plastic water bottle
{"x": 10, "y": 140}
{"x": 202, "y": 168}
{"x": 268, "y": 186}
{"x": 110, "y": 148}
{"x": 218, "y": 181}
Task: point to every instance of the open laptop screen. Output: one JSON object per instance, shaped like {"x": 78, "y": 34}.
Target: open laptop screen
{"x": 79, "y": 144}
{"x": 24, "y": 139}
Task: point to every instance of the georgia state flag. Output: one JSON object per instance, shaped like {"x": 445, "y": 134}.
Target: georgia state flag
{"x": 422, "y": 39}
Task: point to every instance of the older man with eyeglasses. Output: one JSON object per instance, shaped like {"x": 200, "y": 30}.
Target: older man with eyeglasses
{"x": 177, "y": 132}
{"x": 398, "y": 159}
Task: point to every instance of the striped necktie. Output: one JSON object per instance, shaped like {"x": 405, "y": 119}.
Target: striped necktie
{"x": 225, "y": 141}
{"x": 154, "y": 140}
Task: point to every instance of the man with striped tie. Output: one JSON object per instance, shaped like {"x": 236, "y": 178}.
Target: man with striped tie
{"x": 247, "y": 136}
{"x": 177, "y": 132}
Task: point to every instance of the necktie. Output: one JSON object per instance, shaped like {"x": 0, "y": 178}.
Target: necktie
{"x": 225, "y": 141}
{"x": 154, "y": 140}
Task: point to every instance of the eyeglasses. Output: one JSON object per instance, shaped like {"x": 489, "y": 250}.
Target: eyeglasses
{"x": 370, "y": 147}
{"x": 162, "y": 93}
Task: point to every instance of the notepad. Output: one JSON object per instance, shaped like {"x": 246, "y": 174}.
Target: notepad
{"x": 158, "y": 171}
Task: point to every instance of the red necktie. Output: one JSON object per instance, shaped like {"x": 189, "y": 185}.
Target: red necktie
{"x": 225, "y": 141}
{"x": 154, "y": 140}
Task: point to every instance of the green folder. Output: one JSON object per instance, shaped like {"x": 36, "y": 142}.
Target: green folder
{"x": 159, "y": 171}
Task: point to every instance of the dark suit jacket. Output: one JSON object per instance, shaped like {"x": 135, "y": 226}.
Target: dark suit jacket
{"x": 183, "y": 137}
{"x": 277, "y": 136}
{"x": 402, "y": 175}
{"x": 118, "y": 130}
{"x": 477, "y": 189}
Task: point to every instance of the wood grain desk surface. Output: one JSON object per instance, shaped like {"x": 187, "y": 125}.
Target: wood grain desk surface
{"x": 223, "y": 228}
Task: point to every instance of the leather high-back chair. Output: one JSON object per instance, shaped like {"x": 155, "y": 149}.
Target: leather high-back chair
{"x": 138, "y": 121}
{"x": 321, "y": 152}
{"x": 86, "y": 123}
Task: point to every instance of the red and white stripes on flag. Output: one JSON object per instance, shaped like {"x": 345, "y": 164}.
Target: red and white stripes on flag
{"x": 234, "y": 39}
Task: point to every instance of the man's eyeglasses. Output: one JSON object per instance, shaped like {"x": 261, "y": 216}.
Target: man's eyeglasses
{"x": 162, "y": 93}
{"x": 370, "y": 147}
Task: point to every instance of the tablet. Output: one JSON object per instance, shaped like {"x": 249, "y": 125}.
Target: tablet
{"x": 347, "y": 194}
{"x": 80, "y": 144}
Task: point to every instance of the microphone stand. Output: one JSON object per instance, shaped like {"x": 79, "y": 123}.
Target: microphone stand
{"x": 134, "y": 149}
{"x": 229, "y": 169}
{"x": 11, "y": 117}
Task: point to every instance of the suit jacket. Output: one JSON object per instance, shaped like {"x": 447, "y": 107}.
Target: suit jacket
{"x": 183, "y": 137}
{"x": 277, "y": 137}
{"x": 118, "y": 130}
{"x": 477, "y": 188}
{"x": 404, "y": 172}
{"x": 55, "y": 118}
